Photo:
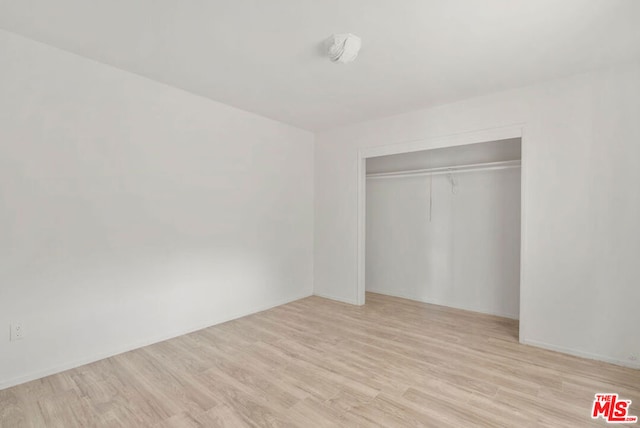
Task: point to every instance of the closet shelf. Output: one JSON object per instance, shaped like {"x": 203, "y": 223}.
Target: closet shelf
{"x": 488, "y": 166}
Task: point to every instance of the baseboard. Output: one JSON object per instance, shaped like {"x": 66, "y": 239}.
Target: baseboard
{"x": 448, "y": 305}
{"x": 338, "y": 299}
{"x": 581, "y": 354}
{"x": 161, "y": 338}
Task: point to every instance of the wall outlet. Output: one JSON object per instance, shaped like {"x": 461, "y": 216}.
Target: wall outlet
{"x": 633, "y": 357}
{"x": 17, "y": 332}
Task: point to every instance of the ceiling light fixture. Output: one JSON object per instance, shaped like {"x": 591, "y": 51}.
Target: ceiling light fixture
{"x": 343, "y": 47}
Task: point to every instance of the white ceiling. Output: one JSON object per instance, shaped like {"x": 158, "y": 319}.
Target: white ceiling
{"x": 264, "y": 55}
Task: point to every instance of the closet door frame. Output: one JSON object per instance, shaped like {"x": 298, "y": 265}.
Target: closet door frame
{"x": 473, "y": 137}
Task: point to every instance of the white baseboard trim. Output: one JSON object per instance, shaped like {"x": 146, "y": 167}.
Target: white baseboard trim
{"x": 338, "y": 299}
{"x": 581, "y": 354}
{"x": 439, "y": 303}
{"x": 4, "y": 384}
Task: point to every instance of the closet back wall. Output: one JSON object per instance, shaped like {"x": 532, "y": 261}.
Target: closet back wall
{"x": 465, "y": 254}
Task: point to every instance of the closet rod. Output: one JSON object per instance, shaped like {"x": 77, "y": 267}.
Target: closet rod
{"x": 449, "y": 169}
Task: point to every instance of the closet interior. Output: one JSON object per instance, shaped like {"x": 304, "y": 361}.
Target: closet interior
{"x": 443, "y": 226}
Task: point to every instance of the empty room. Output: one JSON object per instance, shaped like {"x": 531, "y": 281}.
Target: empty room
{"x": 319, "y": 213}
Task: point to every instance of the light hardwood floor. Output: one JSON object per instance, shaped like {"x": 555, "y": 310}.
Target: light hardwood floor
{"x": 316, "y": 363}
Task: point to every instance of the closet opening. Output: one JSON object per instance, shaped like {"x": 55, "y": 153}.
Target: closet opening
{"x": 443, "y": 226}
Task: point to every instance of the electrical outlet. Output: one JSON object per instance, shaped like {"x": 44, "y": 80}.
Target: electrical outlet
{"x": 17, "y": 332}
{"x": 633, "y": 357}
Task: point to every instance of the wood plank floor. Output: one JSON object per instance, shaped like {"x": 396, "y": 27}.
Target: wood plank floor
{"x": 317, "y": 363}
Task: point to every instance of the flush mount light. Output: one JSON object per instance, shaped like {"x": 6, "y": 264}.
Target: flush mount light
{"x": 343, "y": 47}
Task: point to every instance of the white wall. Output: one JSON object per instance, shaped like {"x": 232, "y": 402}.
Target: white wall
{"x": 131, "y": 212}
{"x": 582, "y": 244}
{"x": 463, "y": 253}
